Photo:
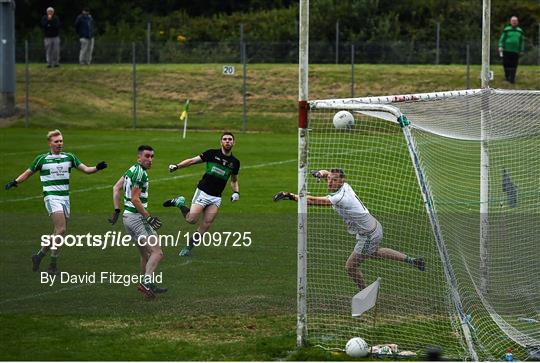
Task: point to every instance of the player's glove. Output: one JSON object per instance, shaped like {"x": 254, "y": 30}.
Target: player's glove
{"x": 11, "y": 184}
{"x": 235, "y": 197}
{"x": 172, "y": 168}
{"x": 114, "y": 217}
{"x": 317, "y": 174}
{"x": 154, "y": 222}
{"x": 101, "y": 165}
{"x": 283, "y": 196}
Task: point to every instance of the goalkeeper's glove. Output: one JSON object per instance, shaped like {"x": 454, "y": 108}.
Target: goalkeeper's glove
{"x": 101, "y": 165}
{"x": 114, "y": 217}
{"x": 283, "y": 196}
{"x": 317, "y": 174}
{"x": 11, "y": 184}
{"x": 235, "y": 196}
{"x": 173, "y": 167}
{"x": 153, "y": 222}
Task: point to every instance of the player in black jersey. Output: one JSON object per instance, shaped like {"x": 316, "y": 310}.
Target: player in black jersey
{"x": 220, "y": 165}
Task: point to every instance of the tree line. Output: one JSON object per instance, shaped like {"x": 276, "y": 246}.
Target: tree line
{"x": 277, "y": 20}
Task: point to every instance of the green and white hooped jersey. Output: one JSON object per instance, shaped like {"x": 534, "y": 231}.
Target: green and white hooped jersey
{"x": 54, "y": 172}
{"x": 135, "y": 176}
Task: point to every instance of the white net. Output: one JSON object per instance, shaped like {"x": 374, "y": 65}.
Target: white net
{"x": 416, "y": 309}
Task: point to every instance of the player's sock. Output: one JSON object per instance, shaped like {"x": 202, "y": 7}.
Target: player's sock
{"x": 184, "y": 210}
{"x": 419, "y": 263}
{"x": 40, "y": 254}
{"x": 54, "y": 259}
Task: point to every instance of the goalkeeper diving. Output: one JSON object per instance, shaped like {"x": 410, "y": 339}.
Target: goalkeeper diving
{"x": 360, "y": 223}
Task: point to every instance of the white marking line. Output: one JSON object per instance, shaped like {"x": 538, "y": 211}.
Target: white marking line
{"x": 152, "y": 180}
{"x": 42, "y": 294}
{"x": 71, "y": 288}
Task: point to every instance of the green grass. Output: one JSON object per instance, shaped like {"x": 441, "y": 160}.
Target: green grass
{"x": 101, "y": 95}
{"x": 224, "y": 303}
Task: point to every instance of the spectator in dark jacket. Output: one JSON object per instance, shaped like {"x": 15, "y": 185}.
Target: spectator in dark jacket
{"x": 51, "y": 28}
{"x": 84, "y": 24}
{"x": 511, "y": 45}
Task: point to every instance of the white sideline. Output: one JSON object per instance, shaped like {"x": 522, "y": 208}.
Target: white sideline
{"x": 153, "y": 181}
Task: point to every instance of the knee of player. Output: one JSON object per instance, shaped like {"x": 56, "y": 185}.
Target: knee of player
{"x": 60, "y": 231}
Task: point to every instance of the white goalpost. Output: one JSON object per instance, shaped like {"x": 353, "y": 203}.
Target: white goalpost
{"x": 453, "y": 177}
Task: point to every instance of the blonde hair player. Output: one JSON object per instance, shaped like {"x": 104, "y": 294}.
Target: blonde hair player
{"x": 359, "y": 221}
{"x": 54, "y": 171}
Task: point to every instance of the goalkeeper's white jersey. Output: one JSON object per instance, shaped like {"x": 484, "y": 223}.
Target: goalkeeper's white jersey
{"x": 355, "y": 214}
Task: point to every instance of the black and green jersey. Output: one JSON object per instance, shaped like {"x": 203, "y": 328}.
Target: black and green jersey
{"x": 54, "y": 172}
{"x": 219, "y": 168}
{"x": 137, "y": 177}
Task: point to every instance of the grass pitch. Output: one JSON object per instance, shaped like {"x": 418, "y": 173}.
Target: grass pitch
{"x": 224, "y": 303}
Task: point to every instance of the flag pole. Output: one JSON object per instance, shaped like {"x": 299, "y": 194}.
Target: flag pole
{"x": 185, "y": 127}
{"x": 184, "y": 117}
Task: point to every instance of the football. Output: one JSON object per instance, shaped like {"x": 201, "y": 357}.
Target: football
{"x": 343, "y": 120}
{"x": 357, "y": 348}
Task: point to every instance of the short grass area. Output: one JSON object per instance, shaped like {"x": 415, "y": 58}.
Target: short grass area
{"x": 100, "y": 96}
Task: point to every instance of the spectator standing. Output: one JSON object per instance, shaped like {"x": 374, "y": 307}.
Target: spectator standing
{"x": 51, "y": 28}
{"x": 511, "y": 45}
{"x": 84, "y": 25}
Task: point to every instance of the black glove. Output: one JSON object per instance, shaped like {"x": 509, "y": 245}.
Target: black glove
{"x": 283, "y": 196}
{"x": 101, "y": 165}
{"x": 154, "y": 222}
{"x": 11, "y": 184}
{"x": 317, "y": 174}
{"x": 114, "y": 217}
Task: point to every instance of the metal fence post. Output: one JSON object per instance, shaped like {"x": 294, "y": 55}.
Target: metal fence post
{"x": 468, "y": 60}
{"x": 538, "y": 45}
{"x": 26, "y": 84}
{"x": 148, "y": 40}
{"x": 337, "y": 42}
{"x": 242, "y": 43}
{"x": 352, "y": 70}
{"x": 437, "y": 51}
{"x": 134, "y": 85}
{"x": 244, "y": 108}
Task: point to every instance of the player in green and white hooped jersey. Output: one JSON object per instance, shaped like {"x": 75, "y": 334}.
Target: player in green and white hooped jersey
{"x": 54, "y": 170}
{"x": 220, "y": 165}
{"x": 138, "y": 222}
{"x": 359, "y": 221}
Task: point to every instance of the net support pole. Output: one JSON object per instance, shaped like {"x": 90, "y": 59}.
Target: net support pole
{"x": 435, "y": 226}
{"x": 484, "y": 153}
{"x": 301, "y": 328}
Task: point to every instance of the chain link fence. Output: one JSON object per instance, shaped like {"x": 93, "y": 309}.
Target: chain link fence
{"x": 396, "y": 52}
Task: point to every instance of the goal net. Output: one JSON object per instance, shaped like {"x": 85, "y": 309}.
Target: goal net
{"x": 457, "y": 182}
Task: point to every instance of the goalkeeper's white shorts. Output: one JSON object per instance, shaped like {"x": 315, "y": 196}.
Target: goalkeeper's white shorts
{"x": 368, "y": 244}
{"x": 203, "y": 199}
{"x": 57, "y": 204}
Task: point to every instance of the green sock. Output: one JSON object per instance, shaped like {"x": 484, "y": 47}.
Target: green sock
{"x": 53, "y": 260}
{"x": 41, "y": 254}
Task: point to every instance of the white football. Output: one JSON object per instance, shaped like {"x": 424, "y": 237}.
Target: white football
{"x": 343, "y": 120}
{"x": 357, "y": 348}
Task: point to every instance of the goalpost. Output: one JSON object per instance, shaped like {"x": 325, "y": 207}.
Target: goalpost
{"x": 420, "y": 164}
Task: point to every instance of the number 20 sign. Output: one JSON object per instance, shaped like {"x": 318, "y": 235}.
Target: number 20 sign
{"x": 228, "y": 70}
